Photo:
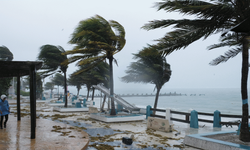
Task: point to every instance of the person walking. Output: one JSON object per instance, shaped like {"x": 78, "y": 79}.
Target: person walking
{"x": 4, "y": 110}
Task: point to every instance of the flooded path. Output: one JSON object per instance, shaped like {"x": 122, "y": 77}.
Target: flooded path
{"x": 49, "y": 135}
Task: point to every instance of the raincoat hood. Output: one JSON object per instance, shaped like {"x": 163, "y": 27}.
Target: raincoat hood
{"x": 3, "y": 96}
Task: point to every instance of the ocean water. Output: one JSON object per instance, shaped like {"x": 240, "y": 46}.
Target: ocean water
{"x": 226, "y": 100}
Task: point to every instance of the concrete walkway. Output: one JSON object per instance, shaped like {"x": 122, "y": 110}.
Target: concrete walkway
{"x": 49, "y": 135}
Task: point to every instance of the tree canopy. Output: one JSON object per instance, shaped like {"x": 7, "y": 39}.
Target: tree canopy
{"x": 150, "y": 67}
{"x": 53, "y": 58}
{"x": 95, "y": 40}
{"x": 210, "y": 17}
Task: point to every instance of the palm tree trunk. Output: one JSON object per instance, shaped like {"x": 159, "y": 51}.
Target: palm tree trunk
{"x": 112, "y": 112}
{"x": 156, "y": 99}
{"x": 65, "y": 90}
{"x": 93, "y": 93}
{"x": 78, "y": 90}
{"x": 88, "y": 92}
{"x": 244, "y": 131}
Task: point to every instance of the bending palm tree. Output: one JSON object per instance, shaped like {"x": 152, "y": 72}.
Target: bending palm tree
{"x": 58, "y": 80}
{"x": 151, "y": 67}
{"x": 212, "y": 17}
{"x": 97, "y": 75}
{"x": 75, "y": 81}
{"x": 49, "y": 86}
{"x": 96, "y": 41}
{"x": 52, "y": 60}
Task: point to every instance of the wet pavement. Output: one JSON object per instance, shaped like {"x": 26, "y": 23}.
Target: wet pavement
{"x": 99, "y": 138}
{"x": 49, "y": 135}
{"x": 98, "y": 135}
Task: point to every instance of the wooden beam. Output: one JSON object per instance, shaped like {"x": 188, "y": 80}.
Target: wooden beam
{"x": 32, "y": 101}
{"x": 18, "y": 99}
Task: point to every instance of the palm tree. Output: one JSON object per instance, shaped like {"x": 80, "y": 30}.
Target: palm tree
{"x": 39, "y": 84}
{"x": 96, "y": 41}
{"x": 75, "y": 80}
{"x": 49, "y": 86}
{"x": 99, "y": 74}
{"x": 212, "y": 17}
{"x": 84, "y": 78}
{"x": 151, "y": 67}
{"x": 58, "y": 80}
{"x": 52, "y": 61}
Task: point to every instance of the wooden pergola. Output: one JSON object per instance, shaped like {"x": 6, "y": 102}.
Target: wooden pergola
{"x": 18, "y": 69}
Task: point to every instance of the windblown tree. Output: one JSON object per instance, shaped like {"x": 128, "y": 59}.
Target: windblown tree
{"x": 49, "y": 86}
{"x": 99, "y": 74}
{"x": 84, "y": 78}
{"x": 75, "y": 80}
{"x": 150, "y": 67}
{"x": 5, "y": 83}
{"x": 58, "y": 80}
{"x": 212, "y": 17}
{"x": 52, "y": 61}
{"x": 39, "y": 85}
{"x": 97, "y": 39}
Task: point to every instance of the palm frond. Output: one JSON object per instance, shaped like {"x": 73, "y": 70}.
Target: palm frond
{"x": 90, "y": 60}
{"x": 224, "y": 58}
{"x": 201, "y": 9}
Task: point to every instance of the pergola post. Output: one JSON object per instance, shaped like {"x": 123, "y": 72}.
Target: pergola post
{"x": 18, "y": 99}
{"x": 33, "y": 101}
{"x": 18, "y": 69}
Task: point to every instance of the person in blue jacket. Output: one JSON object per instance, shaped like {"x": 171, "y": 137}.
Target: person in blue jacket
{"x": 4, "y": 110}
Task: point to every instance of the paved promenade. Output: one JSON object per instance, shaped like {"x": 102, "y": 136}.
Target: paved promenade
{"x": 49, "y": 135}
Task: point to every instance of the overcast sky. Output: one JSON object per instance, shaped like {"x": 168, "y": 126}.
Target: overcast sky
{"x": 27, "y": 25}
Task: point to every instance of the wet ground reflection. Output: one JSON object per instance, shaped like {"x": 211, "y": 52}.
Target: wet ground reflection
{"x": 17, "y": 136}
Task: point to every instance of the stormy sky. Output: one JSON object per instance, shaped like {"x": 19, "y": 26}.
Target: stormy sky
{"x": 27, "y": 25}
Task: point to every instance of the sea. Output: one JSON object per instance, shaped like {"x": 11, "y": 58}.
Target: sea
{"x": 205, "y": 100}
{"x": 225, "y": 100}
